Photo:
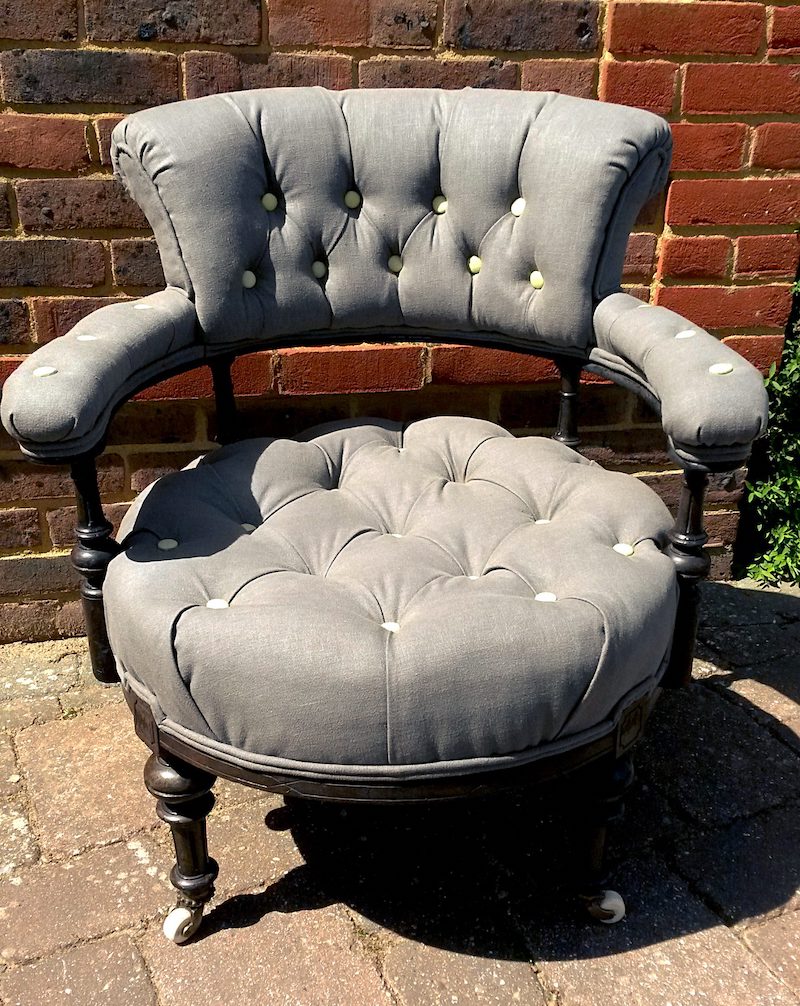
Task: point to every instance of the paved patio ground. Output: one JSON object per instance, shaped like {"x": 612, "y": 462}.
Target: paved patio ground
{"x": 455, "y": 904}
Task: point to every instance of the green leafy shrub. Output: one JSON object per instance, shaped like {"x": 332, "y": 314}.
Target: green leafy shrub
{"x": 773, "y": 495}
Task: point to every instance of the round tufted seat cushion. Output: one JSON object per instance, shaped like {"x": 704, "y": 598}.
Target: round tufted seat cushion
{"x": 373, "y": 599}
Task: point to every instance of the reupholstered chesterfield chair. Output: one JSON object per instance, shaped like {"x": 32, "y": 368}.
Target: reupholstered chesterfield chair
{"x": 374, "y": 610}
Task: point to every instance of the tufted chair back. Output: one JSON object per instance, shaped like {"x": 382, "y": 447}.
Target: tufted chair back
{"x": 494, "y": 214}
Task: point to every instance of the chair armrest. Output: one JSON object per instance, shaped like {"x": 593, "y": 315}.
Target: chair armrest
{"x": 713, "y": 402}
{"x": 58, "y": 402}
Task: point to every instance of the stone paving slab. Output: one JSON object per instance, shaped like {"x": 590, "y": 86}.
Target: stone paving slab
{"x": 309, "y": 958}
{"x": 110, "y": 972}
{"x": 777, "y": 942}
{"x": 670, "y": 951}
{"x": 31, "y": 670}
{"x": 84, "y": 777}
{"x": 18, "y": 847}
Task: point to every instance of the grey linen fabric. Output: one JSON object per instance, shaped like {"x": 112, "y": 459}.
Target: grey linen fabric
{"x": 387, "y": 598}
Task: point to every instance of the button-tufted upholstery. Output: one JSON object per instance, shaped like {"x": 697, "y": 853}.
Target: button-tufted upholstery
{"x": 369, "y": 599}
{"x": 303, "y": 214}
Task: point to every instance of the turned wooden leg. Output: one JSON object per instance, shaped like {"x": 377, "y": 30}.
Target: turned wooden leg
{"x": 608, "y": 788}
{"x": 184, "y": 801}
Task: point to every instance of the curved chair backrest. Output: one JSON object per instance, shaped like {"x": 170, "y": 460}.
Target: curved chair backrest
{"x": 286, "y": 212}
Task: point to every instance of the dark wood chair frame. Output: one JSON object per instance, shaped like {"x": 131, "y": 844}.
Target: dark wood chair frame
{"x": 181, "y": 778}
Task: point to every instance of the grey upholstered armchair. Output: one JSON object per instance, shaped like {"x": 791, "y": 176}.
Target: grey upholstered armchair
{"x": 372, "y": 610}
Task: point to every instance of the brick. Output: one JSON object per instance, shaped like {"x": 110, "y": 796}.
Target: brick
{"x": 51, "y": 262}
{"x": 5, "y": 208}
{"x": 43, "y": 142}
{"x": 671, "y": 946}
{"x": 317, "y": 22}
{"x": 784, "y": 32}
{"x": 8, "y": 364}
{"x": 396, "y": 25}
{"x": 232, "y": 22}
{"x": 777, "y": 145}
{"x": 767, "y": 255}
{"x": 110, "y": 971}
{"x": 135, "y": 262}
{"x": 733, "y": 201}
{"x": 729, "y": 307}
{"x": 167, "y": 422}
{"x": 76, "y": 204}
{"x": 48, "y": 20}
{"x": 62, "y": 521}
{"x": 21, "y": 480}
{"x": 103, "y": 127}
{"x": 761, "y": 350}
{"x": 721, "y": 527}
{"x": 93, "y": 761}
{"x": 705, "y": 258}
{"x": 750, "y": 88}
{"x": 640, "y": 257}
{"x": 567, "y": 76}
{"x": 19, "y": 529}
{"x": 103, "y": 890}
{"x": 660, "y": 28}
{"x": 146, "y": 468}
{"x": 55, "y": 316}
{"x": 776, "y": 944}
{"x": 36, "y": 576}
{"x": 36, "y": 620}
{"x": 302, "y": 956}
{"x": 217, "y": 72}
{"x": 479, "y": 365}
{"x": 195, "y": 383}
{"x": 648, "y": 85}
{"x": 14, "y": 322}
{"x": 713, "y": 146}
{"x": 346, "y": 370}
{"x": 59, "y": 76}
{"x": 548, "y": 25}
{"x": 447, "y": 73}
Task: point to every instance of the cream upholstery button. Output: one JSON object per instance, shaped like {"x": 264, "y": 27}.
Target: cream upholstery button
{"x": 687, "y": 333}
{"x": 472, "y": 578}
{"x": 537, "y": 280}
{"x": 319, "y": 269}
{"x": 395, "y": 263}
{"x": 248, "y": 527}
{"x": 45, "y": 371}
{"x": 623, "y": 548}
{"x": 390, "y": 626}
{"x": 141, "y": 306}
{"x": 518, "y": 207}
{"x": 720, "y": 369}
{"x": 439, "y": 204}
{"x": 352, "y": 199}
{"x": 167, "y": 544}
{"x": 217, "y": 602}
{"x": 269, "y": 201}
{"x": 86, "y": 338}
{"x": 474, "y": 264}
{"x": 545, "y": 596}
{"x": 248, "y": 279}
{"x": 542, "y": 520}
{"x": 394, "y": 534}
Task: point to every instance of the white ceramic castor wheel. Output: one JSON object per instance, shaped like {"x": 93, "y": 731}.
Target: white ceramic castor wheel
{"x": 609, "y": 908}
{"x": 182, "y": 923}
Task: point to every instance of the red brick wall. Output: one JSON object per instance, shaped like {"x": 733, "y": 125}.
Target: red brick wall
{"x": 721, "y": 247}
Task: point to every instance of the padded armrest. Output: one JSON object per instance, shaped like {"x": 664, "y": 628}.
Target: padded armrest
{"x": 713, "y": 402}
{"x": 58, "y": 402}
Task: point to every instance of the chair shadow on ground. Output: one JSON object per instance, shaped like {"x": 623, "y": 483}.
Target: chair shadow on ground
{"x": 711, "y": 835}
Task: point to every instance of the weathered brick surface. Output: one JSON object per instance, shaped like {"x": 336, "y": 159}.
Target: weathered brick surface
{"x": 549, "y": 25}
{"x": 685, "y": 257}
{"x": 233, "y": 22}
{"x": 701, "y": 27}
{"x": 20, "y": 480}
{"x": 55, "y": 316}
{"x": 36, "y": 576}
{"x": 61, "y": 522}
{"x": 215, "y": 72}
{"x": 729, "y": 307}
{"x": 43, "y": 142}
{"x": 352, "y": 369}
{"x": 39, "y": 620}
{"x": 5, "y": 209}
{"x": 135, "y": 262}
{"x": 712, "y": 146}
{"x": 58, "y": 76}
{"x": 51, "y": 262}
{"x": 741, "y": 87}
{"x": 110, "y": 972}
{"x": 648, "y": 85}
{"x": 103, "y": 126}
{"x": 478, "y": 365}
{"x": 567, "y": 76}
{"x": 19, "y": 529}
{"x": 777, "y": 145}
{"x": 76, "y": 204}
{"x": 767, "y": 255}
{"x": 761, "y": 350}
{"x": 448, "y": 73}
{"x": 751, "y": 201}
{"x": 14, "y": 321}
{"x": 784, "y": 31}
{"x": 146, "y": 468}
{"x": 48, "y": 20}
